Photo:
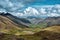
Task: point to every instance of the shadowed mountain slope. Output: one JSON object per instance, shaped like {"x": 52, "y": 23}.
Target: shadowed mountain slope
{"x": 21, "y": 22}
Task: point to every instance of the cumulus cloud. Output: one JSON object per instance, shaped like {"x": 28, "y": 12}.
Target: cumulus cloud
{"x": 31, "y": 11}
{"x": 15, "y": 6}
{"x": 53, "y": 15}
{"x": 2, "y": 10}
{"x": 59, "y": 10}
{"x": 10, "y": 6}
{"x": 42, "y": 10}
{"x": 58, "y": 6}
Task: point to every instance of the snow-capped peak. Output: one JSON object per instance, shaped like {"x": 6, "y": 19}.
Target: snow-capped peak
{"x": 42, "y": 11}
{"x": 30, "y": 11}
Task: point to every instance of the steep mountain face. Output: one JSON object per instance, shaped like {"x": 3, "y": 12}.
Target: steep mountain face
{"x": 19, "y": 21}
{"x": 5, "y": 22}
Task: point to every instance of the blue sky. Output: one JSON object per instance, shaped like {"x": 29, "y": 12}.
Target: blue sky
{"x": 18, "y": 4}
{"x": 21, "y": 5}
{"x": 44, "y": 2}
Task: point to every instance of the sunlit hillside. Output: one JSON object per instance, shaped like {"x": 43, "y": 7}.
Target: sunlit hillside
{"x": 6, "y": 25}
{"x": 50, "y": 33}
{"x": 10, "y": 27}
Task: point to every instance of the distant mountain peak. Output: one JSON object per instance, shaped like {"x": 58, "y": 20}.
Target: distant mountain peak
{"x": 30, "y": 11}
{"x": 6, "y": 14}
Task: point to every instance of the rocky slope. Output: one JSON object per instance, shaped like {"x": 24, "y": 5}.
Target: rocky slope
{"x": 51, "y": 21}
{"x": 17, "y": 21}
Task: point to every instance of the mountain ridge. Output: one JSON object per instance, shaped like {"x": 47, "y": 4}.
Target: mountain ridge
{"x": 19, "y": 21}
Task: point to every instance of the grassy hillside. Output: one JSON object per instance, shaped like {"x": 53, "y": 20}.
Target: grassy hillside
{"x": 10, "y": 27}
{"x": 7, "y": 25}
{"x": 10, "y": 31}
{"x": 50, "y": 33}
{"x": 40, "y": 25}
{"x": 13, "y": 32}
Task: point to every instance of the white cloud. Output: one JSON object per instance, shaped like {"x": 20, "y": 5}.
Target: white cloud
{"x": 44, "y": 6}
{"x": 2, "y": 10}
{"x": 57, "y": 6}
{"x": 54, "y": 11}
{"x": 53, "y": 14}
{"x": 20, "y": 14}
{"x": 58, "y": 10}
{"x": 31, "y": 11}
{"x": 11, "y": 6}
{"x": 42, "y": 10}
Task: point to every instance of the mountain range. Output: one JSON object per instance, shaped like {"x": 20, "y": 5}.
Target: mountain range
{"x": 26, "y": 22}
{"x": 40, "y": 11}
{"x": 11, "y": 25}
{"x": 18, "y": 21}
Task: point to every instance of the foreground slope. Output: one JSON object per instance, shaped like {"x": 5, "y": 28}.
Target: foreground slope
{"x": 6, "y": 25}
{"x": 50, "y": 33}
